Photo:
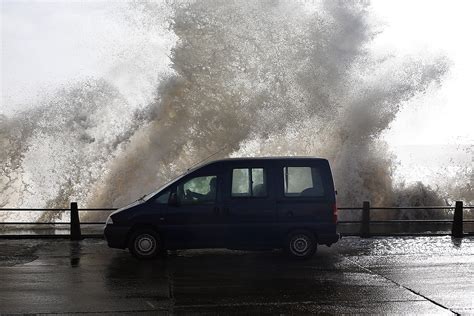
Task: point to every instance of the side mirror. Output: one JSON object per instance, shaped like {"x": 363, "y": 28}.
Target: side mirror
{"x": 173, "y": 200}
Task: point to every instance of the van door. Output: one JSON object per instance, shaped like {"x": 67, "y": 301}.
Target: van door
{"x": 302, "y": 196}
{"x": 250, "y": 206}
{"x": 194, "y": 219}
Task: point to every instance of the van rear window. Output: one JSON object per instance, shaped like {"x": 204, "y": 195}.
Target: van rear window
{"x": 303, "y": 182}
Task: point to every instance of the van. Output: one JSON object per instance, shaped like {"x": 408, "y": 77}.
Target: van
{"x": 240, "y": 203}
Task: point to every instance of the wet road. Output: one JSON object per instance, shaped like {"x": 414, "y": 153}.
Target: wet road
{"x": 409, "y": 275}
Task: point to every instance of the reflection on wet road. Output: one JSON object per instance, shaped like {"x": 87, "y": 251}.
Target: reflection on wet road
{"x": 414, "y": 275}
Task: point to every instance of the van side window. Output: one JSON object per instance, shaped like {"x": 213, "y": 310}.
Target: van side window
{"x": 249, "y": 182}
{"x": 197, "y": 190}
{"x": 303, "y": 182}
{"x": 163, "y": 197}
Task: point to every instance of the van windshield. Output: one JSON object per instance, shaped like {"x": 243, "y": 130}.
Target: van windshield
{"x": 152, "y": 194}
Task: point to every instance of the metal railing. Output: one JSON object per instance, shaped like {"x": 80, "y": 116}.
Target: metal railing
{"x": 365, "y": 223}
{"x": 74, "y": 222}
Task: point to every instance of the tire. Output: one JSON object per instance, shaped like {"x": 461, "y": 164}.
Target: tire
{"x": 301, "y": 244}
{"x": 145, "y": 244}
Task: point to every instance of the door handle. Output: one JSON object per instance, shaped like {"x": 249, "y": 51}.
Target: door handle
{"x": 216, "y": 210}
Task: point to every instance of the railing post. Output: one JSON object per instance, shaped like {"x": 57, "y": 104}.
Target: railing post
{"x": 365, "y": 225}
{"x": 75, "y": 224}
{"x": 457, "y": 229}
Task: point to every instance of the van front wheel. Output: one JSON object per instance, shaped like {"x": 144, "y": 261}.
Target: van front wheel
{"x": 301, "y": 244}
{"x": 145, "y": 244}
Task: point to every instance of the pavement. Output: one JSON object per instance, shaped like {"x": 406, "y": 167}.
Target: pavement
{"x": 390, "y": 275}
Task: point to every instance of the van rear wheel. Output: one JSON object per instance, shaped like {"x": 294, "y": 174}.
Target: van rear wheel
{"x": 301, "y": 244}
{"x": 145, "y": 244}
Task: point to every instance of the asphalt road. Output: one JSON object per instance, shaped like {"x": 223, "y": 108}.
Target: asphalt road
{"x": 409, "y": 275}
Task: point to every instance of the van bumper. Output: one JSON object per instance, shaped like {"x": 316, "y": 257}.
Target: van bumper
{"x": 328, "y": 239}
{"x": 116, "y": 236}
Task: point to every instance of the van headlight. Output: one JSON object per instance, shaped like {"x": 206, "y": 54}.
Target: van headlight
{"x": 109, "y": 221}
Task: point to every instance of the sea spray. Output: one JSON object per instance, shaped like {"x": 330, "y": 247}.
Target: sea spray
{"x": 246, "y": 79}
{"x": 275, "y": 73}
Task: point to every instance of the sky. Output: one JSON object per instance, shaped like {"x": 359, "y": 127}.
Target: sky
{"x": 422, "y": 27}
{"x": 45, "y": 44}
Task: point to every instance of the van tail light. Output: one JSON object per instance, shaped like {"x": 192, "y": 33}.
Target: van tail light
{"x": 334, "y": 213}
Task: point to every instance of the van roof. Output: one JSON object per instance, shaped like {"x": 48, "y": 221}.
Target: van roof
{"x": 244, "y": 159}
{"x": 270, "y": 158}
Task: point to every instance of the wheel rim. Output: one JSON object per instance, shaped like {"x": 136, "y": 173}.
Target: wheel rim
{"x": 145, "y": 244}
{"x": 300, "y": 245}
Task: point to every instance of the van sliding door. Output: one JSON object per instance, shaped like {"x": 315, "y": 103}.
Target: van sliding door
{"x": 250, "y": 205}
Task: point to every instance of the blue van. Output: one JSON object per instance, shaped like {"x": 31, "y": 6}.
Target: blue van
{"x": 239, "y": 203}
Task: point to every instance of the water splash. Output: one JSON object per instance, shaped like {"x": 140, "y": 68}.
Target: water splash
{"x": 246, "y": 79}
{"x": 273, "y": 79}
